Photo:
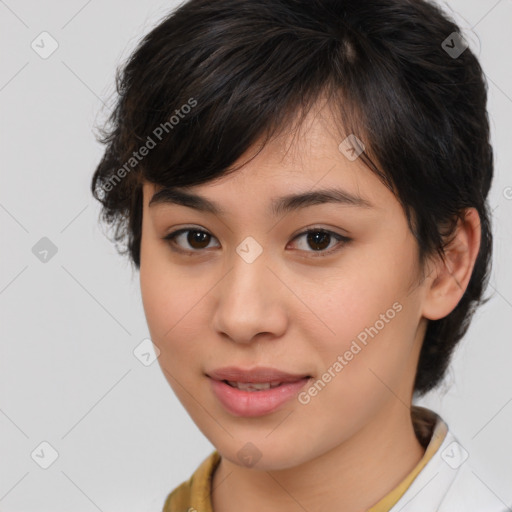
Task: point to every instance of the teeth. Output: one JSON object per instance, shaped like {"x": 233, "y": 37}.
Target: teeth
{"x": 253, "y": 386}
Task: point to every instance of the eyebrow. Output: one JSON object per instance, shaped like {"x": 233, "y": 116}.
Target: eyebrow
{"x": 279, "y": 205}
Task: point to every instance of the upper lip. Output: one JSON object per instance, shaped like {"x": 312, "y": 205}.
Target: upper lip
{"x": 257, "y": 375}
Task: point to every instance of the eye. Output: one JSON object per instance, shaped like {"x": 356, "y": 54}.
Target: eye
{"x": 317, "y": 238}
{"x": 196, "y": 238}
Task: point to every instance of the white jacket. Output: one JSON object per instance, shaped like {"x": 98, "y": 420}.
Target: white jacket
{"x": 448, "y": 482}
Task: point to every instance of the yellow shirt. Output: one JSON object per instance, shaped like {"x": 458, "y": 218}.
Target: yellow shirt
{"x": 195, "y": 493}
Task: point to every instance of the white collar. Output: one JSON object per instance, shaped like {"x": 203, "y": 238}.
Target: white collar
{"x": 448, "y": 482}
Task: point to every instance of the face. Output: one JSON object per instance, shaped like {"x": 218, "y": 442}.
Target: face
{"x": 326, "y": 291}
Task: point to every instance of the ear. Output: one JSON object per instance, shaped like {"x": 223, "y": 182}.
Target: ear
{"x": 449, "y": 280}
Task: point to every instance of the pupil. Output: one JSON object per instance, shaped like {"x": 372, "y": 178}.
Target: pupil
{"x": 317, "y": 238}
{"x": 198, "y": 237}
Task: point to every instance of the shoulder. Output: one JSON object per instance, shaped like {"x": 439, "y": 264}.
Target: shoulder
{"x": 194, "y": 493}
{"x": 178, "y": 499}
{"x": 449, "y": 482}
{"x": 470, "y": 493}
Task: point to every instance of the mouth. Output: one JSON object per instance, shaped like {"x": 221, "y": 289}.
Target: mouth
{"x": 252, "y": 386}
{"x": 255, "y": 392}
{"x": 272, "y": 377}
{"x": 255, "y": 386}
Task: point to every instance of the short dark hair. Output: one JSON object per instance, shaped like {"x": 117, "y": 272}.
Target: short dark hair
{"x": 245, "y": 68}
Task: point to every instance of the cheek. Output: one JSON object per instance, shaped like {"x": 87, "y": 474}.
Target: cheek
{"x": 169, "y": 315}
{"x": 372, "y": 318}
{"x": 163, "y": 295}
{"x": 168, "y": 304}
{"x": 174, "y": 309}
{"x": 362, "y": 367}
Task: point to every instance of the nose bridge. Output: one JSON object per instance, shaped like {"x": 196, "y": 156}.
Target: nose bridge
{"x": 249, "y": 266}
{"x": 246, "y": 284}
{"x": 248, "y": 300}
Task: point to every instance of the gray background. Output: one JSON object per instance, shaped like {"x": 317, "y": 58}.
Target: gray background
{"x": 68, "y": 374}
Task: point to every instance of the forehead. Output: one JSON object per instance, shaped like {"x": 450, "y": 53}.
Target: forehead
{"x": 304, "y": 163}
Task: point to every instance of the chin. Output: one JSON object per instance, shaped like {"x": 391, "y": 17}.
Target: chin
{"x": 263, "y": 456}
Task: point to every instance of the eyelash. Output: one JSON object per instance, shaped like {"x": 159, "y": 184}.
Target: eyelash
{"x": 342, "y": 240}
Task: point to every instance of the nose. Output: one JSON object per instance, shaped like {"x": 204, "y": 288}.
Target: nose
{"x": 250, "y": 302}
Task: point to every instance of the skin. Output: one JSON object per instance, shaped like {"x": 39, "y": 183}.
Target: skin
{"x": 292, "y": 310}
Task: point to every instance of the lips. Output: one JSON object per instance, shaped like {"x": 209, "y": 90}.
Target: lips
{"x": 258, "y": 375}
{"x": 255, "y": 392}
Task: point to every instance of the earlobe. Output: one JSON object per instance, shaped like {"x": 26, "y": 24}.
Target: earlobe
{"x": 450, "y": 278}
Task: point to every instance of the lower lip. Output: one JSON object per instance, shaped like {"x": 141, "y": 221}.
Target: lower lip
{"x": 255, "y": 403}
